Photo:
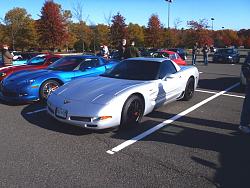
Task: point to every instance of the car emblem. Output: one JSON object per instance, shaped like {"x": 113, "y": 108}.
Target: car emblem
{"x": 66, "y": 101}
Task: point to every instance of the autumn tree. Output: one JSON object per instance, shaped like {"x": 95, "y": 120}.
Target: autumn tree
{"x": 118, "y": 29}
{"x": 198, "y": 25}
{"x": 154, "y": 32}
{"x": 20, "y": 28}
{"x": 136, "y": 33}
{"x": 52, "y": 26}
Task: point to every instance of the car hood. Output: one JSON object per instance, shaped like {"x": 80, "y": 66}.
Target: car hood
{"x": 95, "y": 89}
{"x": 16, "y": 68}
{"x": 28, "y": 74}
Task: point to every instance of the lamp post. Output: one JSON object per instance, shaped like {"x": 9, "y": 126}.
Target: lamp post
{"x": 169, "y": 1}
{"x": 168, "y": 40}
{"x": 212, "y": 23}
{"x": 222, "y": 27}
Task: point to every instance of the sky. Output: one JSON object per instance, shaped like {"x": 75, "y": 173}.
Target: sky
{"x": 226, "y": 13}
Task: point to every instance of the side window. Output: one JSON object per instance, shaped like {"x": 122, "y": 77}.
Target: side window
{"x": 53, "y": 59}
{"x": 172, "y": 57}
{"x": 166, "y": 68}
{"x": 89, "y": 63}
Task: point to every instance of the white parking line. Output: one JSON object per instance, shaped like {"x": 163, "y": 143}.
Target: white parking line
{"x": 200, "y": 72}
{"x": 29, "y": 113}
{"x": 225, "y": 94}
{"x": 166, "y": 122}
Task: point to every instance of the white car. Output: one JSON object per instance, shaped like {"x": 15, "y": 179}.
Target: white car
{"x": 124, "y": 94}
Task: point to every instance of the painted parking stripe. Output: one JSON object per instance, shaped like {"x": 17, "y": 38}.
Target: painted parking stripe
{"x": 166, "y": 122}
{"x": 200, "y": 72}
{"x": 225, "y": 94}
{"x": 29, "y": 113}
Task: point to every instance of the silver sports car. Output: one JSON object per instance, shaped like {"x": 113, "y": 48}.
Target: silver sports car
{"x": 124, "y": 94}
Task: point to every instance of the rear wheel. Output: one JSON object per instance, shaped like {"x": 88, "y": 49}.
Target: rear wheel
{"x": 47, "y": 88}
{"x": 132, "y": 111}
{"x": 189, "y": 91}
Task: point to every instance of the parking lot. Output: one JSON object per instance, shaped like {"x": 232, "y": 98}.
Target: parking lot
{"x": 183, "y": 144}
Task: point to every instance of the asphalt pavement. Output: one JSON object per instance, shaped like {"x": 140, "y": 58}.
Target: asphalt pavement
{"x": 191, "y": 144}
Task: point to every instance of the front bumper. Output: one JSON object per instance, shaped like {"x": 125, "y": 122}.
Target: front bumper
{"x": 80, "y": 116}
{"x": 25, "y": 94}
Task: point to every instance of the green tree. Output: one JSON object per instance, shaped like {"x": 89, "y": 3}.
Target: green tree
{"x": 136, "y": 33}
{"x": 118, "y": 29}
{"x": 20, "y": 28}
{"x": 51, "y": 26}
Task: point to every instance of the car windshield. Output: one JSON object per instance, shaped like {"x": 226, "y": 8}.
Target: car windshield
{"x": 66, "y": 63}
{"x": 161, "y": 54}
{"x": 225, "y": 51}
{"x": 134, "y": 70}
{"x": 36, "y": 61}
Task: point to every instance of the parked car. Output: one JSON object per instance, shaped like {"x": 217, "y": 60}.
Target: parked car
{"x": 38, "y": 62}
{"x": 33, "y": 85}
{"x": 171, "y": 55}
{"x": 226, "y": 55}
{"x": 123, "y": 95}
{"x": 182, "y": 53}
{"x": 21, "y": 58}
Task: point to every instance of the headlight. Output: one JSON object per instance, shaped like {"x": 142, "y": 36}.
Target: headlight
{"x": 26, "y": 82}
{"x": 30, "y": 81}
{"x": 2, "y": 74}
{"x": 230, "y": 57}
{"x": 101, "y": 118}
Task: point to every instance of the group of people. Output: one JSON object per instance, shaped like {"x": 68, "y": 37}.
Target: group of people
{"x": 205, "y": 51}
{"x": 7, "y": 57}
{"x": 124, "y": 50}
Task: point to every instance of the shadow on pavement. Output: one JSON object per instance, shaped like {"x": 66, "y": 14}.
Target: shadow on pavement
{"x": 43, "y": 120}
{"x": 219, "y": 83}
{"x": 233, "y": 148}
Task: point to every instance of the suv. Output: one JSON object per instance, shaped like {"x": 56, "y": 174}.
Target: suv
{"x": 242, "y": 77}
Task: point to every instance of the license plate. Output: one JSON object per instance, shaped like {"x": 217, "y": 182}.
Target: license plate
{"x": 61, "y": 113}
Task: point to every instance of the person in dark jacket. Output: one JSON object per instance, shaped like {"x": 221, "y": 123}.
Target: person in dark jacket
{"x": 7, "y": 57}
{"x": 131, "y": 51}
{"x": 245, "y": 113}
{"x": 122, "y": 49}
{"x": 194, "y": 53}
{"x": 205, "y": 51}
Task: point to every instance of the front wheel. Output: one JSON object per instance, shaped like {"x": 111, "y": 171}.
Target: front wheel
{"x": 132, "y": 111}
{"x": 189, "y": 91}
{"x": 47, "y": 88}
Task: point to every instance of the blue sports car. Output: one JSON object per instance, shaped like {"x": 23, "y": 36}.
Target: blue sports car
{"x": 25, "y": 86}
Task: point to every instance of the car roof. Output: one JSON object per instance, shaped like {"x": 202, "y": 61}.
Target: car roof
{"x": 148, "y": 59}
{"x": 167, "y": 51}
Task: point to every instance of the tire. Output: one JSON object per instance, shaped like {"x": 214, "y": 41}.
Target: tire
{"x": 189, "y": 90}
{"x": 46, "y": 88}
{"x": 132, "y": 111}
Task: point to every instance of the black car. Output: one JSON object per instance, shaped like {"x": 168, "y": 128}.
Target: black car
{"x": 226, "y": 55}
{"x": 182, "y": 53}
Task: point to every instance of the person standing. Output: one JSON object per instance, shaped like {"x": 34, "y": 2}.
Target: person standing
{"x": 194, "y": 53}
{"x": 6, "y": 56}
{"x": 205, "y": 51}
{"x": 122, "y": 49}
{"x": 245, "y": 113}
{"x": 131, "y": 51}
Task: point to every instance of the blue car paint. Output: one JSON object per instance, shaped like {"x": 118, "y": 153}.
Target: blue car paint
{"x": 24, "y": 86}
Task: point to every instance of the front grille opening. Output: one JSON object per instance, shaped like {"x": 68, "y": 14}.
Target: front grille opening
{"x": 79, "y": 118}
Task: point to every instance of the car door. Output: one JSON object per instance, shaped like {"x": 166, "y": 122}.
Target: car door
{"x": 169, "y": 86}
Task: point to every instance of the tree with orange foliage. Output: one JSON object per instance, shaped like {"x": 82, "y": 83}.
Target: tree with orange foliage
{"x": 154, "y": 32}
{"x": 51, "y": 26}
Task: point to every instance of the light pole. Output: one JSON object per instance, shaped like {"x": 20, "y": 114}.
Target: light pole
{"x": 168, "y": 40}
{"x": 222, "y": 28}
{"x": 169, "y": 1}
{"x": 212, "y": 23}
